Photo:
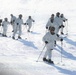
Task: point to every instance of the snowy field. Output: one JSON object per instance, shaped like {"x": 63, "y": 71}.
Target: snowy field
{"x": 18, "y": 57}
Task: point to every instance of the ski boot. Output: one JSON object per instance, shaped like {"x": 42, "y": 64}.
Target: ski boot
{"x": 44, "y": 59}
{"x": 62, "y": 33}
{"x": 13, "y": 37}
{"x": 28, "y": 31}
{"x": 50, "y": 61}
{"x": 19, "y": 37}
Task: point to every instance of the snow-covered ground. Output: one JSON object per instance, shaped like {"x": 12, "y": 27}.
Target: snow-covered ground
{"x": 18, "y": 57}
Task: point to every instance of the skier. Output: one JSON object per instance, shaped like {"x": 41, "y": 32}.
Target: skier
{"x": 4, "y": 25}
{"x": 50, "y": 21}
{"x": 29, "y": 23}
{"x": 13, "y": 19}
{"x": 18, "y": 26}
{"x": 58, "y": 22}
{"x": 49, "y": 39}
{"x": 63, "y": 19}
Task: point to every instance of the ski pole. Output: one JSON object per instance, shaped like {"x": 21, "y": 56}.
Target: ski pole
{"x": 40, "y": 53}
{"x": 61, "y": 49}
{"x": 67, "y": 27}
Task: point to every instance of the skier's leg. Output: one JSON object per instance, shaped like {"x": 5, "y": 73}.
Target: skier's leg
{"x": 49, "y": 53}
{"x": 15, "y": 31}
{"x": 3, "y": 31}
{"x": 13, "y": 27}
{"x": 29, "y": 28}
{"x": 19, "y": 32}
{"x": 46, "y": 53}
{"x": 61, "y": 30}
{"x": 49, "y": 56}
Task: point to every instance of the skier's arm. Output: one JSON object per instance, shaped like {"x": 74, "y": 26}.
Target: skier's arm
{"x": 45, "y": 40}
{"x": 58, "y": 38}
{"x": 32, "y": 20}
{"x": 26, "y": 23}
{"x": 47, "y": 25}
{"x": 64, "y": 19}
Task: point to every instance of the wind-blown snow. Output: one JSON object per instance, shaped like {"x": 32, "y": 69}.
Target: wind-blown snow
{"x": 18, "y": 57}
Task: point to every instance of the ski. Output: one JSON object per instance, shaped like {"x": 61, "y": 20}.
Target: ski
{"x": 55, "y": 63}
{"x": 48, "y": 63}
{"x": 58, "y": 64}
{"x": 17, "y": 38}
{"x": 20, "y": 39}
{"x": 30, "y": 31}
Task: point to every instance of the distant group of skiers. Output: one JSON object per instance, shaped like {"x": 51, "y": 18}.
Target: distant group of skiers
{"x": 16, "y": 25}
{"x": 54, "y": 24}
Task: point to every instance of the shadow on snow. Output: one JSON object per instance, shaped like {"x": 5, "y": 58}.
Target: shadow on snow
{"x": 66, "y": 54}
{"x": 34, "y": 33}
{"x": 28, "y": 43}
{"x": 70, "y": 41}
{"x": 65, "y": 71}
{"x": 5, "y": 70}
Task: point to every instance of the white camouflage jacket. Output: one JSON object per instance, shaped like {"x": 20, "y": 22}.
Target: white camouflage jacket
{"x": 50, "y": 39}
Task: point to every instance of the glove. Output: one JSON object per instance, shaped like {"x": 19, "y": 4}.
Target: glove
{"x": 61, "y": 39}
{"x": 59, "y": 26}
{"x": 62, "y": 26}
{"x": 64, "y": 20}
{"x": 46, "y": 42}
{"x": 24, "y": 23}
{"x": 17, "y": 23}
{"x": 57, "y": 35}
{"x": 33, "y": 21}
{"x": 46, "y": 27}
